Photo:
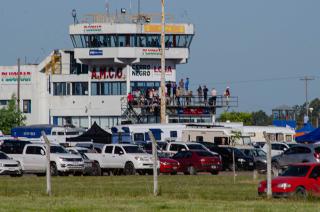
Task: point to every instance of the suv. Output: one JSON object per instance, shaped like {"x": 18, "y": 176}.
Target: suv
{"x": 276, "y": 148}
{"x": 297, "y": 154}
{"x": 194, "y": 161}
{"x": 259, "y": 156}
{"x": 9, "y": 166}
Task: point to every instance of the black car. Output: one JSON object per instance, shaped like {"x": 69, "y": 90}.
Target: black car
{"x": 259, "y": 157}
{"x": 242, "y": 162}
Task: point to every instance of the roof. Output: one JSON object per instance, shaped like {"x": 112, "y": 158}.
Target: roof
{"x": 283, "y": 107}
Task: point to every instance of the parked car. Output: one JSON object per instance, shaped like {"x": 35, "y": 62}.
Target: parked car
{"x": 168, "y": 165}
{"x": 90, "y": 166}
{"x": 301, "y": 153}
{"x": 242, "y": 162}
{"x": 33, "y": 160}
{"x": 259, "y": 157}
{"x": 9, "y": 166}
{"x": 298, "y": 179}
{"x": 123, "y": 157}
{"x": 277, "y": 148}
{"x": 194, "y": 161}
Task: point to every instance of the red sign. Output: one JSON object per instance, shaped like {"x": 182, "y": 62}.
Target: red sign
{"x": 193, "y": 111}
{"x": 104, "y": 73}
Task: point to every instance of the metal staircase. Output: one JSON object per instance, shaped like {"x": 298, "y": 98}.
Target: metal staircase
{"x": 129, "y": 113}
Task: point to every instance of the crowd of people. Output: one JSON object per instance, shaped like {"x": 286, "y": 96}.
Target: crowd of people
{"x": 177, "y": 94}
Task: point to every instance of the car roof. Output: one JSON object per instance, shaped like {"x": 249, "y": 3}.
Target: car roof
{"x": 305, "y": 164}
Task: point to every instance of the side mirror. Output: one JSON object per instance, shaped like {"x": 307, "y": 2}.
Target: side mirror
{"x": 284, "y": 149}
{"x": 42, "y": 152}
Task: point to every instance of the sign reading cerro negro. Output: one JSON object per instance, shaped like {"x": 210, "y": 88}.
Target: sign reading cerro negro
{"x": 9, "y": 77}
{"x": 115, "y": 73}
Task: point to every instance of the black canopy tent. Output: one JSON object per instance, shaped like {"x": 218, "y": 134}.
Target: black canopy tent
{"x": 95, "y": 134}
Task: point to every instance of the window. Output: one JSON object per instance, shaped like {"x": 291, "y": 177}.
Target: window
{"x": 13, "y": 146}
{"x": 60, "y": 89}
{"x": 79, "y": 88}
{"x": 177, "y": 147}
{"x": 34, "y": 150}
{"x": 4, "y": 102}
{"x": 26, "y": 106}
{"x": 179, "y": 155}
{"x": 315, "y": 172}
{"x": 138, "y": 137}
{"x": 117, "y": 150}
{"x": 173, "y": 134}
{"x": 109, "y": 149}
{"x": 108, "y": 88}
{"x": 199, "y": 138}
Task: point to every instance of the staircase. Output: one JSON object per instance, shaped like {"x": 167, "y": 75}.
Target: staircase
{"x": 129, "y": 113}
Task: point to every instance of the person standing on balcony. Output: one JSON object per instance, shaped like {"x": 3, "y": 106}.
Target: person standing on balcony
{"x": 181, "y": 85}
{"x": 214, "y": 96}
{"x": 178, "y": 93}
{"x": 205, "y": 94}
{"x": 200, "y": 93}
{"x": 227, "y": 95}
{"x": 168, "y": 86}
{"x": 174, "y": 92}
{"x": 186, "y": 85}
{"x": 130, "y": 99}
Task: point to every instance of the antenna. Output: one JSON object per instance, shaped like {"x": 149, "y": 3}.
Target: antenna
{"x": 107, "y": 8}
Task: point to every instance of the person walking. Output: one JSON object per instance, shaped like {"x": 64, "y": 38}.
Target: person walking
{"x": 200, "y": 93}
{"x": 205, "y": 94}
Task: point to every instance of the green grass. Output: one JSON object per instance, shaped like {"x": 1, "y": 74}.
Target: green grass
{"x": 134, "y": 193}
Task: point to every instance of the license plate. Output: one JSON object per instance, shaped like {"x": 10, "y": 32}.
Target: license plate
{"x": 213, "y": 167}
{"x": 11, "y": 169}
{"x": 251, "y": 164}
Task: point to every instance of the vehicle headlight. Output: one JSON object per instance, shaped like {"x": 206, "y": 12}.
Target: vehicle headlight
{"x": 260, "y": 185}
{"x": 140, "y": 158}
{"x": 63, "y": 159}
{"x": 165, "y": 163}
{"x": 284, "y": 185}
{"x": 241, "y": 160}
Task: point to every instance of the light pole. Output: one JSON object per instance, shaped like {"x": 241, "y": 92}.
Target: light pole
{"x": 311, "y": 109}
{"x": 306, "y": 79}
{"x": 163, "y": 63}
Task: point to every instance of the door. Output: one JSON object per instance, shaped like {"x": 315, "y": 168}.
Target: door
{"x": 314, "y": 180}
{"x": 35, "y": 159}
{"x": 107, "y": 157}
{"x": 118, "y": 157}
{"x": 289, "y": 156}
{"x": 174, "y": 148}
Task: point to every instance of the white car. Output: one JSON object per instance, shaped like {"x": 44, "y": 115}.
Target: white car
{"x": 123, "y": 157}
{"x": 9, "y": 166}
{"x": 277, "y": 148}
{"x": 174, "y": 147}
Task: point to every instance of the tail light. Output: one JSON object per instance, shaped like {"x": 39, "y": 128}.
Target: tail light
{"x": 316, "y": 155}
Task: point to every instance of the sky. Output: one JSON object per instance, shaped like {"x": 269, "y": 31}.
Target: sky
{"x": 260, "y": 48}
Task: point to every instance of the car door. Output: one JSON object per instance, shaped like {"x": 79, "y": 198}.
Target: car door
{"x": 314, "y": 180}
{"x": 179, "y": 157}
{"x": 35, "y": 159}
{"x": 118, "y": 157}
{"x": 174, "y": 148}
{"x": 289, "y": 156}
{"x": 107, "y": 157}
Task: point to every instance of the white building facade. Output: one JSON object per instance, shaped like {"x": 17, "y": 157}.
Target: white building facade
{"x": 89, "y": 83}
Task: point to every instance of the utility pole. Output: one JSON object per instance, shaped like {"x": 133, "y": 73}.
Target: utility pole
{"x": 18, "y": 87}
{"x": 306, "y": 79}
{"x": 269, "y": 180}
{"x": 163, "y": 63}
{"x": 155, "y": 164}
{"x": 48, "y": 173}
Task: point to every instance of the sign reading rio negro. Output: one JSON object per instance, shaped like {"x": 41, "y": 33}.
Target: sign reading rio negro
{"x": 106, "y": 73}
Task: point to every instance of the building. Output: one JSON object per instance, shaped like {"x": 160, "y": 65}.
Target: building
{"x": 112, "y": 56}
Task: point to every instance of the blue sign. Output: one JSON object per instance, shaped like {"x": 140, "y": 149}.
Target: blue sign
{"x": 95, "y": 52}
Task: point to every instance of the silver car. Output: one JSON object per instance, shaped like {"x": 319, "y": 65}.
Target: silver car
{"x": 300, "y": 153}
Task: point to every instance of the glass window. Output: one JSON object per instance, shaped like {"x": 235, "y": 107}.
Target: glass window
{"x": 26, "y": 106}
{"x": 3, "y": 102}
{"x": 80, "y": 88}
{"x": 109, "y": 149}
{"x": 132, "y": 149}
{"x": 173, "y": 134}
{"x": 34, "y": 150}
{"x": 108, "y": 88}
{"x": 138, "y": 137}
{"x": 117, "y": 150}
{"x": 177, "y": 147}
{"x": 296, "y": 171}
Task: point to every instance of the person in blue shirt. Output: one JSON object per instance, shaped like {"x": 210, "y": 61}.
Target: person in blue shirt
{"x": 186, "y": 84}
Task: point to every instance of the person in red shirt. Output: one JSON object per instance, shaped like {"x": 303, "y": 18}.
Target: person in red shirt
{"x": 130, "y": 99}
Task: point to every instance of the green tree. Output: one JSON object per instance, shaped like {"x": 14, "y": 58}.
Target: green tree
{"x": 246, "y": 118}
{"x": 260, "y": 118}
{"x": 11, "y": 117}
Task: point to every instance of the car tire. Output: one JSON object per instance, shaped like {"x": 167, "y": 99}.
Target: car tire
{"x": 300, "y": 192}
{"x": 192, "y": 170}
{"x": 77, "y": 173}
{"x": 173, "y": 173}
{"x": 16, "y": 175}
{"x": 53, "y": 169}
{"x": 129, "y": 169}
{"x": 96, "y": 169}
{"x": 142, "y": 172}
{"x": 41, "y": 174}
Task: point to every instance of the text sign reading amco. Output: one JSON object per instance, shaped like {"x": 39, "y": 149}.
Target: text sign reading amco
{"x": 107, "y": 73}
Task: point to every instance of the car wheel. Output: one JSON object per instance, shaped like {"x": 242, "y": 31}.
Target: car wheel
{"x": 53, "y": 169}
{"x": 96, "y": 169}
{"x": 192, "y": 170}
{"x": 173, "y": 173}
{"x": 214, "y": 172}
{"x": 16, "y": 175}
{"x": 300, "y": 192}
{"x": 77, "y": 174}
{"x": 142, "y": 172}
{"x": 129, "y": 169}
{"x": 41, "y": 174}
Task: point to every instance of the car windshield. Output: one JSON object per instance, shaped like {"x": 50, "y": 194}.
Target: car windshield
{"x": 204, "y": 154}
{"x": 58, "y": 149}
{"x": 3, "y": 156}
{"x": 132, "y": 149}
{"x": 296, "y": 171}
{"x": 195, "y": 147}
{"x": 260, "y": 153}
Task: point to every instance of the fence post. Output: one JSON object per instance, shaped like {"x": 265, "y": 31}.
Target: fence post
{"x": 269, "y": 188}
{"x": 155, "y": 164}
{"x": 48, "y": 174}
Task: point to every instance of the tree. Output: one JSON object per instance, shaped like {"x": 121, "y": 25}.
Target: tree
{"x": 246, "y": 118}
{"x": 10, "y": 116}
{"x": 260, "y": 118}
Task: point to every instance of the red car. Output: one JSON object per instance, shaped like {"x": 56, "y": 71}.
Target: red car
{"x": 168, "y": 166}
{"x": 298, "y": 179}
{"x": 194, "y": 161}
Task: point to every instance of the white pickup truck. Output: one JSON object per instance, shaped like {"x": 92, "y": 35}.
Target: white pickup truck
{"x": 174, "y": 147}
{"x": 33, "y": 160}
{"x": 123, "y": 157}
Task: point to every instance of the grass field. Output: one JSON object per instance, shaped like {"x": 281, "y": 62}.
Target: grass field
{"x": 134, "y": 193}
